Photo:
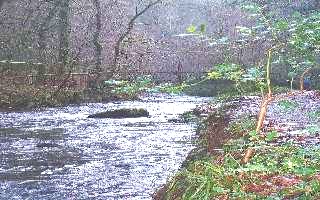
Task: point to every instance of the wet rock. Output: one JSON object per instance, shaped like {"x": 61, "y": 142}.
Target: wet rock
{"x": 176, "y": 120}
{"x": 121, "y": 113}
{"x": 47, "y": 145}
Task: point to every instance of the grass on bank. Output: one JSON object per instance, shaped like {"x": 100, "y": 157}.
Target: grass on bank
{"x": 285, "y": 171}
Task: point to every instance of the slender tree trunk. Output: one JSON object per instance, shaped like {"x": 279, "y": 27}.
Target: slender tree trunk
{"x": 64, "y": 34}
{"x": 96, "y": 36}
{"x": 1, "y": 3}
{"x": 42, "y": 30}
{"x": 302, "y": 78}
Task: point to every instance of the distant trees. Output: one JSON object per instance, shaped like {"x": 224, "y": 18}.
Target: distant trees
{"x": 120, "y": 38}
{"x": 55, "y": 31}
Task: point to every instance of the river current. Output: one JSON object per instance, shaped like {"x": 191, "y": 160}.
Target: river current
{"x": 59, "y": 153}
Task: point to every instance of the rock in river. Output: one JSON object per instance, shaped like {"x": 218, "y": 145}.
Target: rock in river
{"x": 121, "y": 113}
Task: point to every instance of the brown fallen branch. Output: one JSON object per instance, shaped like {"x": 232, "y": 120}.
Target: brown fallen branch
{"x": 247, "y": 156}
{"x": 263, "y": 112}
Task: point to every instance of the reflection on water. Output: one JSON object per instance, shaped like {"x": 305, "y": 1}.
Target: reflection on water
{"x": 59, "y": 153}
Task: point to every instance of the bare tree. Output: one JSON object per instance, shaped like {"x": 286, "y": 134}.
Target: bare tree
{"x": 129, "y": 28}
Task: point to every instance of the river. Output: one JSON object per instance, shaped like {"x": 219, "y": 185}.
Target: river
{"x": 59, "y": 153}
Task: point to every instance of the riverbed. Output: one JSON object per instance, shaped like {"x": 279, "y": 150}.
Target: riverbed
{"x": 59, "y": 153}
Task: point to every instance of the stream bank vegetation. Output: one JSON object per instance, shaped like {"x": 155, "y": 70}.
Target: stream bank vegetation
{"x": 283, "y": 162}
{"x": 264, "y": 146}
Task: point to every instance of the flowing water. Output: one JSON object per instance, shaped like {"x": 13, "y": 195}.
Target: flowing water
{"x": 59, "y": 153}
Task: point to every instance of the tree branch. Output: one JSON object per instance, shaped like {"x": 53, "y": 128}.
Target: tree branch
{"x": 125, "y": 34}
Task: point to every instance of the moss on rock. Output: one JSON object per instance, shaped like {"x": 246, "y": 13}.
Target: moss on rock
{"x": 121, "y": 113}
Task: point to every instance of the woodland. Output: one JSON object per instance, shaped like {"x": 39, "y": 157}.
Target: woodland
{"x": 73, "y": 45}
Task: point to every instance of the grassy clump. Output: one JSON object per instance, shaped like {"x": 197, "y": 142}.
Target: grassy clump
{"x": 314, "y": 115}
{"x": 287, "y": 105}
{"x": 240, "y": 127}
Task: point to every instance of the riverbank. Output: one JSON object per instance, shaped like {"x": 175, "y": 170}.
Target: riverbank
{"x": 283, "y": 162}
{"x": 29, "y": 97}
{"x": 17, "y": 97}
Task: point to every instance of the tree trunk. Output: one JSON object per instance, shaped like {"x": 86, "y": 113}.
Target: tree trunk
{"x": 96, "y": 36}
{"x": 64, "y": 34}
{"x": 1, "y": 3}
{"x": 42, "y": 29}
{"x": 302, "y": 78}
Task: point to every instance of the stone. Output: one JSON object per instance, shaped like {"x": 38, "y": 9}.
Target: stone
{"x": 122, "y": 113}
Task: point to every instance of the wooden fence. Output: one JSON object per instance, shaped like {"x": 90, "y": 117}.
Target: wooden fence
{"x": 82, "y": 80}
{"x": 73, "y": 80}
{"x": 22, "y": 73}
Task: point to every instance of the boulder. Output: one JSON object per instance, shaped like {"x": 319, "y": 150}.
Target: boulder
{"x": 47, "y": 145}
{"x": 121, "y": 113}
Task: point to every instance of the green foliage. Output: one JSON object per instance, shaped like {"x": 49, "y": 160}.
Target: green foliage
{"x": 218, "y": 177}
{"x": 314, "y": 115}
{"x": 130, "y": 89}
{"x": 287, "y": 105}
{"x": 226, "y": 71}
{"x": 241, "y": 126}
{"x": 247, "y": 80}
{"x": 143, "y": 84}
{"x": 171, "y": 88}
{"x": 191, "y": 29}
{"x": 202, "y": 28}
{"x": 295, "y": 39}
{"x": 204, "y": 180}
